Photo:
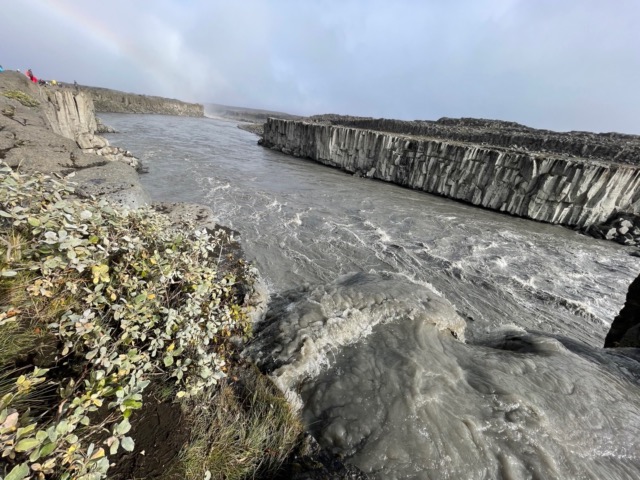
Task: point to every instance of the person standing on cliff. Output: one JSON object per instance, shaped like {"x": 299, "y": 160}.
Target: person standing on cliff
{"x": 31, "y": 76}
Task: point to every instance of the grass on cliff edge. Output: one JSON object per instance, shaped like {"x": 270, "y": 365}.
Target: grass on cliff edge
{"x": 23, "y": 98}
{"x": 246, "y": 429}
{"x": 100, "y": 306}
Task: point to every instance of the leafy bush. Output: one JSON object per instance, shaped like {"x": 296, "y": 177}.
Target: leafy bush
{"x": 96, "y": 304}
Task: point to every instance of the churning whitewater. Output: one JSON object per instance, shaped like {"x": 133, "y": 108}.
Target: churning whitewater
{"x": 421, "y": 338}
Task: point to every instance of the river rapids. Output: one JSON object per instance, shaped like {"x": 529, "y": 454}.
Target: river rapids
{"x": 421, "y": 337}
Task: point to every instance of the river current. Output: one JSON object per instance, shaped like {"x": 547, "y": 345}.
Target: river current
{"x": 421, "y": 337}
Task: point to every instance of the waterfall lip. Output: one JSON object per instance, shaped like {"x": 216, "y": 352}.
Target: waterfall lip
{"x": 303, "y": 331}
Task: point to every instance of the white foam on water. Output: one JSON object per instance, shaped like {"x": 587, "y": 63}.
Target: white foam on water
{"x": 306, "y": 335}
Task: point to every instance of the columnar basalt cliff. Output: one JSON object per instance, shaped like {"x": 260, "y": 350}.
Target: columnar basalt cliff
{"x": 52, "y": 130}
{"x": 546, "y": 185}
{"x": 113, "y": 101}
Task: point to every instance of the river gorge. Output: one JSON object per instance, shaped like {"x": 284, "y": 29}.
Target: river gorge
{"x": 421, "y": 337}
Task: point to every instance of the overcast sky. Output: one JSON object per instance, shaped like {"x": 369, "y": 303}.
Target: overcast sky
{"x": 558, "y": 64}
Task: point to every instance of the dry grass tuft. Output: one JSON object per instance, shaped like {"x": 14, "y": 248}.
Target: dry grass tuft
{"x": 245, "y": 429}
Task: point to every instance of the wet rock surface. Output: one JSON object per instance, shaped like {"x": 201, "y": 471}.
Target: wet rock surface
{"x": 625, "y": 329}
{"x": 255, "y": 128}
{"x": 102, "y": 128}
{"x": 318, "y": 464}
{"x": 116, "y": 182}
{"x": 623, "y": 228}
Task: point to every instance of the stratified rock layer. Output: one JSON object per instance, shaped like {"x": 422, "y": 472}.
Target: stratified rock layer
{"x": 546, "y": 186}
{"x": 625, "y": 329}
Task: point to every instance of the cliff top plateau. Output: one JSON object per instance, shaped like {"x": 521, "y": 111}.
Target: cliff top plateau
{"x": 612, "y": 147}
{"x": 114, "y": 101}
{"x": 242, "y": 114}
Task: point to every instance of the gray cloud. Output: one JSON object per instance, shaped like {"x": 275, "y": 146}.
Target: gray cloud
{"x": 563, "y": 65}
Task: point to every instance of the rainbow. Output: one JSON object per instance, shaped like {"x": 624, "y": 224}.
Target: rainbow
{"x": 95, "y": 28}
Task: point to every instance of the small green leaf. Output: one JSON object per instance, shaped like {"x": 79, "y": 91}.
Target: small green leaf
{"x": 133, "y": 404}
{"x": 62, "y": 427}
{"x": 22, "y": 432}
{"x": 35, "y": 455}
{"x": 8, "y": 273}
{"x": 123, "y": 427}
{"x": 128, "y": 444}
{"x": 27, "y": 444}
{"x": 34, "y": 222}
{"x": 18, "y": 472}
{"x": 47, "y": 449}
{"x": 100, "y": 273}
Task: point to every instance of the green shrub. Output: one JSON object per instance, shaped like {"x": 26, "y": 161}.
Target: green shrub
{"x": 22, "y": 97}
{"x": 96, "y": 304}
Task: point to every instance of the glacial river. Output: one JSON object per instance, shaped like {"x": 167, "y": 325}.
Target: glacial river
{"x": 422, "y": 338}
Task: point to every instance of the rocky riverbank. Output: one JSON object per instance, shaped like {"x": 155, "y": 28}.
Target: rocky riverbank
{"x": 53, "y": 131}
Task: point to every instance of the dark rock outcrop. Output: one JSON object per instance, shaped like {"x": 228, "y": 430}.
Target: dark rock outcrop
{"x": 625, "y": 329}
{"x": 113, "y": 101}
{"x": 543, "y": 185}
{"x": 255, "y": 128}
{"x": 623, "y": 228}
{"x": 102, "y": 128}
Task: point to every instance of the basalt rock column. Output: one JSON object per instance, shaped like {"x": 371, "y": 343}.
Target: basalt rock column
{"x": 542, "y": 186}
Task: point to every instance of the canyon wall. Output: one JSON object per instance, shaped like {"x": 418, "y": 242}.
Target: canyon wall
{"x": 548, "y": 186}
{"x": 113, "y": 101}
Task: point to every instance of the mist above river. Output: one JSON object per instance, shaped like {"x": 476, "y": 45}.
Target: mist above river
{"x": 351, "y": 264}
